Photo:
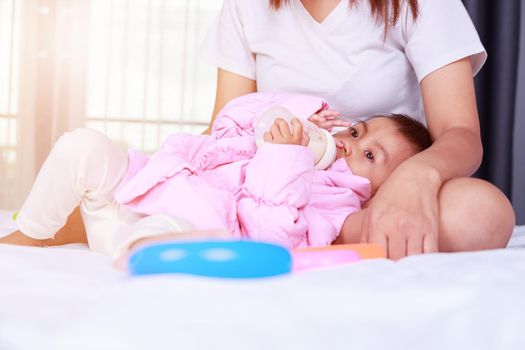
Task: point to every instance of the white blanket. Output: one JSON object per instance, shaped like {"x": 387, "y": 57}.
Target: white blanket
{"x": 73, "y": 299}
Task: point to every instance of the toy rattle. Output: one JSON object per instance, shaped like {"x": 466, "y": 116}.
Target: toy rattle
{"x": 226, "y": 259}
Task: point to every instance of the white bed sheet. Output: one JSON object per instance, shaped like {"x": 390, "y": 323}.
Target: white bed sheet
{"x": 73, "y": 299}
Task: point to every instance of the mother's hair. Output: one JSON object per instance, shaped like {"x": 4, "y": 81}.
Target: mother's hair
{"x": 380, "y": 9}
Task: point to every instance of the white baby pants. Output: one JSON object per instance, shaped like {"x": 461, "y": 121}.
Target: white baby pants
{"x": 84, "y": 169}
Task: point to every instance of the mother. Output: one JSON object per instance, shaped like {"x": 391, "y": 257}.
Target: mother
{"x": 379, "y": 56}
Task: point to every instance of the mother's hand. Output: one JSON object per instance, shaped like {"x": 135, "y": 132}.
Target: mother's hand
{"x": 403, "y": 215}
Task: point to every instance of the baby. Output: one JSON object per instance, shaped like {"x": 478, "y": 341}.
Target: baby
{"x": 217, "y": 183}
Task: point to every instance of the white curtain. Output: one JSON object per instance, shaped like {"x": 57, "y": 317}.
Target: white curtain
{"x": 129, "y": 68}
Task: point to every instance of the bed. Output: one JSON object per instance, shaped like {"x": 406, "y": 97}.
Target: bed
{"x": 70, "y": 298}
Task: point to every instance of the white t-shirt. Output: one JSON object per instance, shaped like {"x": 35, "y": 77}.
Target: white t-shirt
{"x": 346, "y": 58}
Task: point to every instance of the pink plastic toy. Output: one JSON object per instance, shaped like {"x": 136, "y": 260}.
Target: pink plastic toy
{"x": 313, "y": 259}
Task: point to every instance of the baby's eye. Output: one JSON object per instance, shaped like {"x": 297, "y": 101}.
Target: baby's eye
{"x": 354, "y": 133}
{"x": 369, "y": 155}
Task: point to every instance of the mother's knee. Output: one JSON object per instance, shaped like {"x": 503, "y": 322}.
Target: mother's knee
{"x": 474, "y": 215}
{"x": 81, "y": 144}
{"x": 83, "y": 140}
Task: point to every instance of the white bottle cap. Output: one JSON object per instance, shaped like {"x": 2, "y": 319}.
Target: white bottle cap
{"x": 329, "y": 153}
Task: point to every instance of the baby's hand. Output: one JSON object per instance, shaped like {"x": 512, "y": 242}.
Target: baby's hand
{"x": 327, "y": 119}
{"x": 281, "y": 133}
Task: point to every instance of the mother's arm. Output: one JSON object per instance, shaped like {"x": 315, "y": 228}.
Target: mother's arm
{"x": 452, "y": 118}
{"x": 404, "y": 215}
{"x": 229, "y": 86}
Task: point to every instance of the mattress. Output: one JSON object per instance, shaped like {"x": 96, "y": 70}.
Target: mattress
{"x": 70, "y": 298}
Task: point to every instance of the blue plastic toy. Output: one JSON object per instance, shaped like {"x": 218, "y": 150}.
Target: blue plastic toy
{"x": 225, "y": 259}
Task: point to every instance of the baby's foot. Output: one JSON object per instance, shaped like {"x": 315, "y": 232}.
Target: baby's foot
{"x": 18, "y": 238}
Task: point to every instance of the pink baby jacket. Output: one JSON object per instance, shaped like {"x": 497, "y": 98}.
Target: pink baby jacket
{"x": 222, "y": 181}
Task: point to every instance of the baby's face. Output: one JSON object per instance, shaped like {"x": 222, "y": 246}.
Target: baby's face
{"x": 373, "y": 149}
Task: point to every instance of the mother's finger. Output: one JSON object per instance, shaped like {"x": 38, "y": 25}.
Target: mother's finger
{"x": 430, "y": 244}
{"x": 374, "y": 235}
{"x": 414, "y": 246}
{"x": 381, "y": 240}
{"x": 396, "y": 247}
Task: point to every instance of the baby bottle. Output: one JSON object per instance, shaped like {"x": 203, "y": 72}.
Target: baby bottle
{"x": 322, "y": 143}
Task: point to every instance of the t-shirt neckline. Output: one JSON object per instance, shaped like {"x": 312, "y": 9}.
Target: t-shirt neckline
{"x": 332, "y": 20}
